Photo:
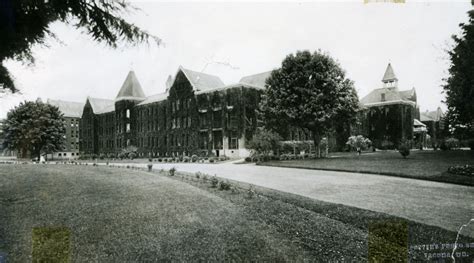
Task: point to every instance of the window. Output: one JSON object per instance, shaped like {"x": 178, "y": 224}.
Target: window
{"x": 382, "y": 97}
{"x": 128, "y": 127}
{"x": 127, "y": 113}
{"x": 233, "y": 141}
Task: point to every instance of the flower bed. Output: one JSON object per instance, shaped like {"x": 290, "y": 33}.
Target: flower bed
{"x": 466, "y": 170}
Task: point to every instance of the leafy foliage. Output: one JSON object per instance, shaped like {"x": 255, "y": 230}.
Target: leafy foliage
{"x": 264, "y": 141}
{"x": 26, "y": 23}
{"x": 404, "y": 148}
{"x": 459, "y": 86}
{"x": 309, "y": 91}
{"x": 34, "y": 127}
{"x": 358, "y": 142}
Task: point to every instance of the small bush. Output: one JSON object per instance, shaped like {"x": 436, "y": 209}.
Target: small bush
{"x": 186, "y": 159}
{"x": 198, "y": 175}
{"x": 214, "y": 182}
{"x": 224, "y": 186}
{"x": 449, "y": 144}
{"x": 250, "y": 193}
{"x": 248, "y": 159}
{"x": 404, "y": 148}
{"x": 194, "y": 158}
{"x": 102, "y": 156}
{"x": 211, "y": 160}
{"x": 172, "y": 171}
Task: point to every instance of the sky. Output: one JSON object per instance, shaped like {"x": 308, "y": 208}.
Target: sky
{"x": 235, "y": 39}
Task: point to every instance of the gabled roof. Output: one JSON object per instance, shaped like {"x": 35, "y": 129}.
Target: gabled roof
{"x": 155, "y": 98}
{"x": 391, "y": 95}
{"x": 201, "y": 81}
{"x": 408, "y": 94}
{"x": 389, "y": 74}
{"x": 436, "y": 115}
{"x": 68, "y": 108}
{"x": 256, "y": 80}
{"x": 101, "y": 105}
{"x": 131, "y": 89}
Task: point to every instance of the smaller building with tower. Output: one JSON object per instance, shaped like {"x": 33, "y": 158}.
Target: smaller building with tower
{"x": 390, "y": 115}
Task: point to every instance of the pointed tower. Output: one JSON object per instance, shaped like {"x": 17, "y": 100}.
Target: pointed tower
{"x": 130, "y": 94}
{"x": 131, "y": 89}
{"x": 389, "y": 79}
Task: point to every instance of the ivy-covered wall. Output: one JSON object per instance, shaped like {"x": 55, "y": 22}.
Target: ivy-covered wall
{"x": 387, "y": 125}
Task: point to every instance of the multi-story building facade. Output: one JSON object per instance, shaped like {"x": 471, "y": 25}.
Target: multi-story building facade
{"x": 388, "y": 115}
{"x": 197, "y": 114}
{"x": 72, "y": 112}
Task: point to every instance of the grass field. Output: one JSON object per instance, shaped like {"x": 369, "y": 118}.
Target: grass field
{"x": 426, "y": 165}
{"x": 118, "y": 214}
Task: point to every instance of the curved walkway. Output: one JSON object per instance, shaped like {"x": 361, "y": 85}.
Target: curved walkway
{"x": 445, "y": 205}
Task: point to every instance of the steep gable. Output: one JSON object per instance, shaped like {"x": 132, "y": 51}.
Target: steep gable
{"x": 101, "y": 105}
{"x": 201, "y": 81}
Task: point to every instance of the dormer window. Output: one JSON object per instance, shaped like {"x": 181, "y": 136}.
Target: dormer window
{"x": 382, "y": 97}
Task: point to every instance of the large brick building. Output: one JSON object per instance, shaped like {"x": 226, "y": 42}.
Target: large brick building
{"x": 72, "y": 112}
{"x": 197, "y": 114}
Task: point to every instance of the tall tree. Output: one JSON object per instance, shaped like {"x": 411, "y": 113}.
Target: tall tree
{"x": 26, "y": 22}
{"x": 459, "y": 86}
{"x": 34, "y": 127}
{"x": 309, "y": 91}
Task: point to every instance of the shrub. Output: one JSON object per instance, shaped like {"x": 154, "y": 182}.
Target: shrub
{"x": 132, "y": 155}
{"x": 198, "y": 175}
{"x": 450, "y": 144}
{"x": 102, "y": 156}
{"x": 214, "y": 182}
{"x": 194, "y": 158}
{"x": 404, "y": 148}
{"x": 248, "y": 159}
{"x": 172, "y": 171}
{"x": 358, "y": 143}
{"x": 186, "y": 159}
{"x": 224, "y": 186}
{"x": 211, "y": 160}
{"x": 250, "y": 193}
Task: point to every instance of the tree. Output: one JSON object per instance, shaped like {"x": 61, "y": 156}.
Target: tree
{"x": 35, "y": 128}
{"x": 309, "y": 91}
{"x": 25, "y": 23}
{"x": 264, "y": 141}
{"x": 459, "y": 86}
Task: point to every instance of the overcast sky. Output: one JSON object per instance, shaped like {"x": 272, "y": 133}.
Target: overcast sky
{"x": 252, "y": 38}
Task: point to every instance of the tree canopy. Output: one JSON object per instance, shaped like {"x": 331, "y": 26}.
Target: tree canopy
{"x": 34, "y": 127}
{"x": 309, "y": 91}
{"x": 459, "y": 86}
{"x": 26, "y": 22}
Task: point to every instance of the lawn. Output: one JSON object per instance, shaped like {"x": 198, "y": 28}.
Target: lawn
{"x": 88, "y": 213}
{"x": 426, "y": 165}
